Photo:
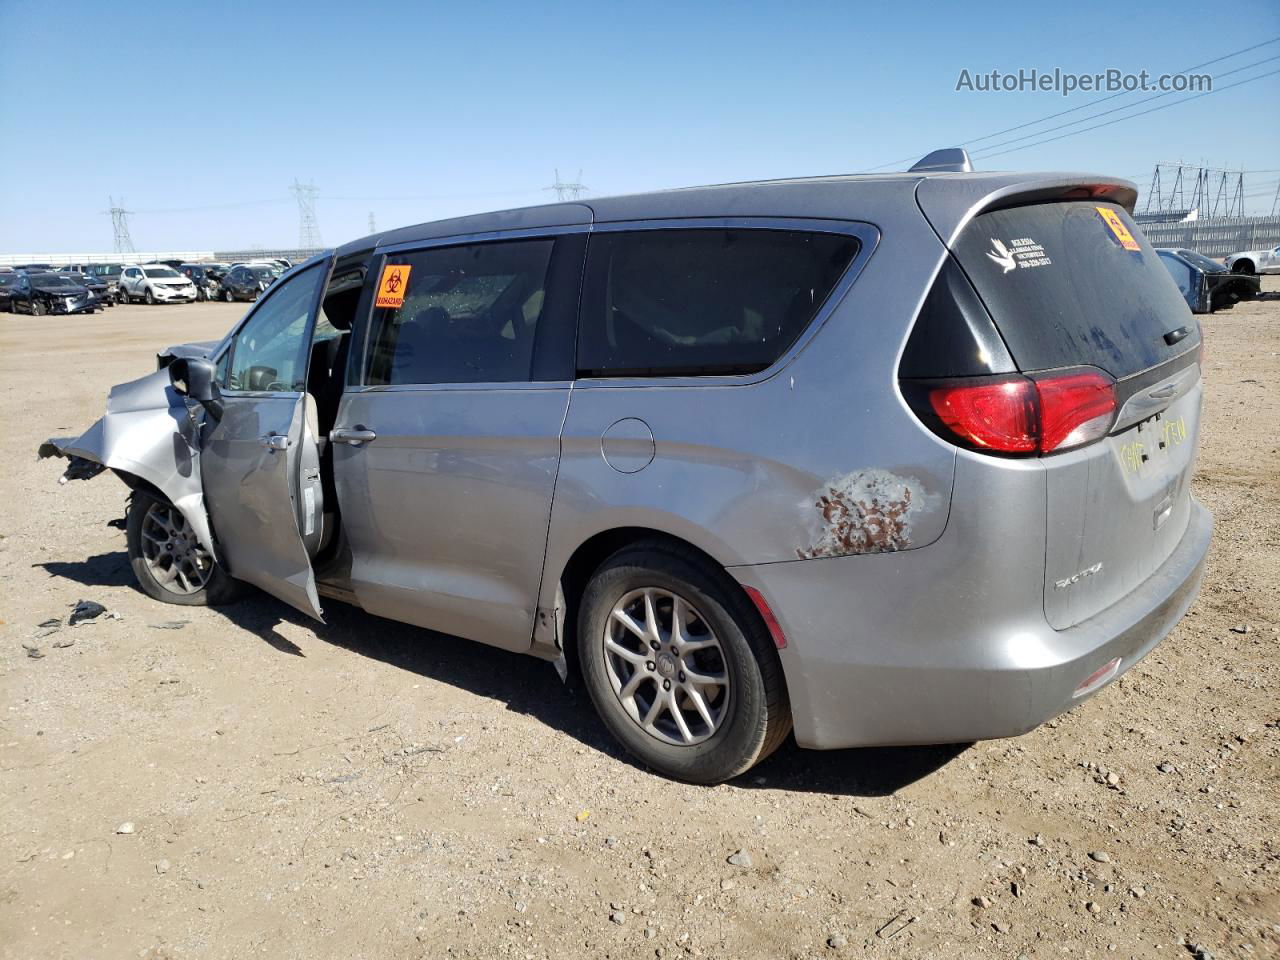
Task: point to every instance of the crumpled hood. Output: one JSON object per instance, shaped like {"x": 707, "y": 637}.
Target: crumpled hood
{"x": 147, "y": 433}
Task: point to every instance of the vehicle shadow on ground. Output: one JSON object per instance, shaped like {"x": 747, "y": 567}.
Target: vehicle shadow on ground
{"x": 528, "y": 686}
{"x": 104, "y": 570}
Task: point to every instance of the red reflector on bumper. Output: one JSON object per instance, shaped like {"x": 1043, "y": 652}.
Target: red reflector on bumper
{"x": 770, "y": 621}
{"x": 1096, "y": 679}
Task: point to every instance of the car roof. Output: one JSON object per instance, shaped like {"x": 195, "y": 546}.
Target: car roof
{"x": 948, "y": 198}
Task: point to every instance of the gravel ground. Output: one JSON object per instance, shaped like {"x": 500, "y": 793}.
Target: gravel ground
{"x": 182, "y": 783}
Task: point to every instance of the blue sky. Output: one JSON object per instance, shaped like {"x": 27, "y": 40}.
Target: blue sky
{"x": 201, "y": 117}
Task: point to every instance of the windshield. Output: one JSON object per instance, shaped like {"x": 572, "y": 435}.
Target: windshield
{"x": 106, "y": 270}
{"x": 7, "y": 279}
{"x": 264, "y": 273}
{"x": 1201, "y": 261}
{"x": 166, "y": 273}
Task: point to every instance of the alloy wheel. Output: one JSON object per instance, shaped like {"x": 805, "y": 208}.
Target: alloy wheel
{"x": 172, "y": 552}
{"x": 666, "y": 666}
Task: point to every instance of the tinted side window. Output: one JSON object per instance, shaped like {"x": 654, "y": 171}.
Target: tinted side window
{"x": 470, "y": 315}
{"x": 270, "y": 350}
{"x": 1182, "y": 274}
{"x": 702, "y": 301}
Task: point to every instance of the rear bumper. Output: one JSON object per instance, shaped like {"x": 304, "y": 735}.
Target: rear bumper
{"x": 874, "y": 659}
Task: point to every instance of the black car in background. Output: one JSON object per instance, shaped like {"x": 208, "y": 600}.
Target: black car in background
{"x": 1206, "y": 284}
{"x": 44, "y": 293}
{"x": 7, "y": 280}
{"x": 108, "y": 273}
{"x": 207, "y": 277}
{"x": 247, "y": 281}
{"x": 100, "y": 289}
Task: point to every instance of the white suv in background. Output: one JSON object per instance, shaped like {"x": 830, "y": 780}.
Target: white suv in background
{"x": 155, "y": 283}
{"x": 1254, "y": 261}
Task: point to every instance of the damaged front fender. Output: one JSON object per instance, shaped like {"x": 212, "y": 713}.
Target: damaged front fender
{"x": 147, "y": 434}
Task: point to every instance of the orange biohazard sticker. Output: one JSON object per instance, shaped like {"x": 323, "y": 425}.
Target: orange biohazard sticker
{"x": 1112, "y": 220}
{"x": 392, "y": 285}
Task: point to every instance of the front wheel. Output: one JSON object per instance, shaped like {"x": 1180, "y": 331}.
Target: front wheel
{"x": 167, "y": 558}
{"x": 679, "y": 664}
{"x": 148, "y": 297}
{"x": 228, "y": 296}
{"x": 38, "y": 309}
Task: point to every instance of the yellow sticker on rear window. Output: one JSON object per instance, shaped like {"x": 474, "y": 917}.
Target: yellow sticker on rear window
{"x": 392, "y": 285}
{"x": 1112, "y": 220}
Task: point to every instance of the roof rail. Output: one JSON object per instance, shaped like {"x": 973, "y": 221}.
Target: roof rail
{"x": 947, "y": 160}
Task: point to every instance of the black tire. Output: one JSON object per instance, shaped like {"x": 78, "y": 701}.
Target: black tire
{"x": 218, "y": 589}
{"x": 758, "y": 713}
{"x": 148, "y": 298}
{"x": 228, "y": 296}
{"x": 37, "y": 308}
{"x": 122, "y": 297}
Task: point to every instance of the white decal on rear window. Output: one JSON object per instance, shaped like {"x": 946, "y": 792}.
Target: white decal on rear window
{"x": 1021, "y": 253}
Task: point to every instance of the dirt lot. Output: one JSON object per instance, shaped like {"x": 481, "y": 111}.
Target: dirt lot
{"x": 365, "y": 789}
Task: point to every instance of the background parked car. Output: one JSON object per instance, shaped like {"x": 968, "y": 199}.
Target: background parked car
{"x": 43, "y": 293}
{"x": 1206, "y": 284}
{"x": 7, "y": 280}
{"x": 207, "y": 277}
{"x": 100, "y": 289}
{"x": 247, "y": 281}
{"x": 155, "y": 283}
{"x": 107, "y": 272}
{"x": 1255, "y": 261}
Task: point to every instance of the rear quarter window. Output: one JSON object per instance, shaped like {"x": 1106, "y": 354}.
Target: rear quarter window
{"x": 1072, "y": 284}
{"x": 702, "y": 301}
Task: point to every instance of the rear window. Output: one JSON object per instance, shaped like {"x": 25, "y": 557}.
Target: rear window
{"x": 702, "y": 301}
{"x": 1074, "y": 283}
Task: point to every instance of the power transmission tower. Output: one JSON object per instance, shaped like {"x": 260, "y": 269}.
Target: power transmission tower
{"x": 373, "y": 227}
{"x": 568, "y": 191}
{"x": 1275, "y": 202}
{"x": 1154, "y": 192}
{"x": 120, "y": 226}
{"x": 308, "y": 227}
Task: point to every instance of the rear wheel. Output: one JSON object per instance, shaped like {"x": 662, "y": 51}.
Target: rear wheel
{"x": 679, "y": 665}
{"x": 167, "y": 558}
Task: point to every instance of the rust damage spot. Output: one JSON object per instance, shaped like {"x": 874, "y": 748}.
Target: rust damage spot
{"x": 870, "y": 511}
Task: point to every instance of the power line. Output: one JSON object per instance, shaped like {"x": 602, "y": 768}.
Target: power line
{"x": 1083, "y": 106}
{"x": 1163, "y": 106}
{"x": 1127, "y": 106}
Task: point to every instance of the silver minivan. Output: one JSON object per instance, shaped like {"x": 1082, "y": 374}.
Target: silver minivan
{"x": 875, "y": 459}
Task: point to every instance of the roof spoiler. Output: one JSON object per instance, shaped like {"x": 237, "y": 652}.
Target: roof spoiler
{"x": 947, "y": 160}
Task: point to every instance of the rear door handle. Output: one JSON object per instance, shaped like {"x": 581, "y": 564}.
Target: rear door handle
{"x": 353, "y": 435}
{"x": 1173, "y": 336}
{"x": 1164, "y": 392}
{"x": 275, "y": 441}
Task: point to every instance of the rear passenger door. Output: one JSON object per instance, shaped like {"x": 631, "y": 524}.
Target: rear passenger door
{"x": 447, "y": 443}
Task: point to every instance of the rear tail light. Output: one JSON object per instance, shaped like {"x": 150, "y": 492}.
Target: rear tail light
{"x": 1020, "y": 415}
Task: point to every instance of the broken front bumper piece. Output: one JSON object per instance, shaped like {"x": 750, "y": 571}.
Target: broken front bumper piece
{"x": 148, "y": 438}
